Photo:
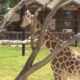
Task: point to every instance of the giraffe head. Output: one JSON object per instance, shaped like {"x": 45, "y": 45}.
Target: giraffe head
{"x": 29, "y": 19}
{"x": 49, "y": 39}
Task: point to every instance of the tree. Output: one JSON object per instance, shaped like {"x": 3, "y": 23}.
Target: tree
{"x": 12, "y": 3}
{"x": 5, "y": 5}
{"x": 29, "y": 67}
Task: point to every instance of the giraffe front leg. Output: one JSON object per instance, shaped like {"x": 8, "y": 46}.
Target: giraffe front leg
{"x": 57, "y": 73}
{"x": 56, "y": 70}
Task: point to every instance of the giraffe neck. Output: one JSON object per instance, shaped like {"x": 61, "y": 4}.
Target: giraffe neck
{"x": 51, "y": 41}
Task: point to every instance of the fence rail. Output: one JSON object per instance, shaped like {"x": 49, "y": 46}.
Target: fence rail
{"x": 63, "y": 35}
{"x": 14, "y": 35}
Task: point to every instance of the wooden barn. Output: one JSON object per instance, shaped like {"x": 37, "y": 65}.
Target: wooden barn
{"x": 65, "y": 23}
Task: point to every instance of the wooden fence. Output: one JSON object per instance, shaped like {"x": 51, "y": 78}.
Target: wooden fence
{"x": 14, "y": 35}
{"x": 64, "y": 36}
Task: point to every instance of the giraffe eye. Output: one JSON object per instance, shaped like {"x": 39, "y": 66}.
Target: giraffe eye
{"x": 27, "y": 16}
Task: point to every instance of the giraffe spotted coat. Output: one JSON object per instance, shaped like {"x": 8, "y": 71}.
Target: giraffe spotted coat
{"x": 67, "y": 61}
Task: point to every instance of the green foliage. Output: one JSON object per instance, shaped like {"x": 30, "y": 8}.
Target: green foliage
{"x": 11, "y": 3}
{"x": 4, "y": 4}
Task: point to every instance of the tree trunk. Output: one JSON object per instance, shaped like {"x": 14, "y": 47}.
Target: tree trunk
{"x": 25, "y": 72}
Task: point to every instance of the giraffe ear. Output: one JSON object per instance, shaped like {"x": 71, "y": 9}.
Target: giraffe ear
{"x": 28, "y": 12}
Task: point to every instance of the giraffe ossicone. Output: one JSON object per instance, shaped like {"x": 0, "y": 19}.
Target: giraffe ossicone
{"x": 67, "y": 60}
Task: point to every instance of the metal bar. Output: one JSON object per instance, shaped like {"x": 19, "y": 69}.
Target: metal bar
{"x": 23, "y": 38}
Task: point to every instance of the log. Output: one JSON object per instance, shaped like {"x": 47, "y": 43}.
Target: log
{"x": 15, "y": 42}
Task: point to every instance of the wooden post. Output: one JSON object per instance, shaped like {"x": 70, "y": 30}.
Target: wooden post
{"x": 76, "y": 29}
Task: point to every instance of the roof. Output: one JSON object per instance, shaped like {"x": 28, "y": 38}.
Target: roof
{"x": 16, "y": 17}
{"x": 50, "y": 5}
{"x": 77, "y": 1}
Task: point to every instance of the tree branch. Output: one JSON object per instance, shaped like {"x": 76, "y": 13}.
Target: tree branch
{"x": 12, "y": 12}
{"x": 49, "y": 57}
{"x": 32, "y": 29}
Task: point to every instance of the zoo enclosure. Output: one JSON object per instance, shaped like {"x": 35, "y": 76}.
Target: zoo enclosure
{"x": 14, "y": 35}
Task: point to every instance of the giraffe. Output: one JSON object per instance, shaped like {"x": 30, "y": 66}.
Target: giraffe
{"x": 67, "y": 61}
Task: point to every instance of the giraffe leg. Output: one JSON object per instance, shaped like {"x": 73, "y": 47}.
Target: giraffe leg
{"x": 55, "y": 72}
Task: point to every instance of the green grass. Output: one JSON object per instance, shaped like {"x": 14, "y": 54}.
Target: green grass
{"x": 11, "y": 63}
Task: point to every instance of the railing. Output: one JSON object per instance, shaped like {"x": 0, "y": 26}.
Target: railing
{"x": 67, "y": 36}
{"x": 63, "y": 35}
{"x": 14, "y": 35}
